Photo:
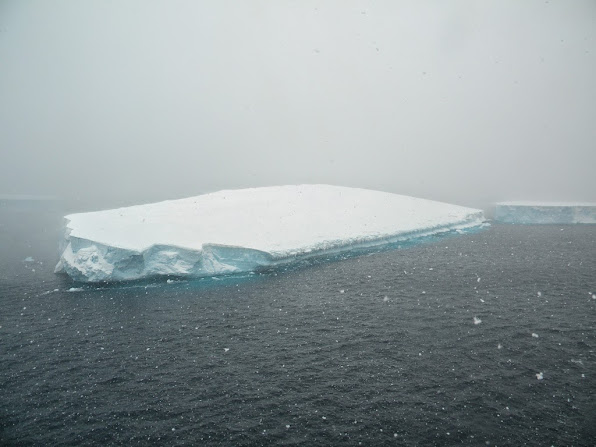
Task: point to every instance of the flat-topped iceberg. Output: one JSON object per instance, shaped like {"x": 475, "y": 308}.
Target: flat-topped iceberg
{"x": 545, "y": 212}
{"x": 246, "y": 230}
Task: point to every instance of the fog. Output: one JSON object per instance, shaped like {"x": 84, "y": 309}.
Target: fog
{"x": 462, "y": 101}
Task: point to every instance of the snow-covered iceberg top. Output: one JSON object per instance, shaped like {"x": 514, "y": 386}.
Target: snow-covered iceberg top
{"x": 545, "y": 204}
{"x": 527, "y": 212}
{"x": 245, "y": 230}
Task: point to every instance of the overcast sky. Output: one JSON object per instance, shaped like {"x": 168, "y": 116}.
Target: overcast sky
{"x": 462, "y": 101}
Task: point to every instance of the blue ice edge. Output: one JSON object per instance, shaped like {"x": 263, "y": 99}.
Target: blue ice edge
{"x": 288, "y": 265}
{"x": 546, "y": 214}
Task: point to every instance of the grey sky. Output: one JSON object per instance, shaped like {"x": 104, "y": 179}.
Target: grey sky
{"x": 462, "y": 101}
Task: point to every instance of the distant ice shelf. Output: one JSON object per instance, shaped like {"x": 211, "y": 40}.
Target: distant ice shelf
{"x": 545, "y": 213}
{"x": 246, "y": 230}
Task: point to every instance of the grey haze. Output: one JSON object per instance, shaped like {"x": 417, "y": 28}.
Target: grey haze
{"x": 461, "y": 101}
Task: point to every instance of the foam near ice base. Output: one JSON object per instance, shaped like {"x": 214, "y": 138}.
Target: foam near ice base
{"x": 545, "y": 212}
{"x": 245, "y": 230}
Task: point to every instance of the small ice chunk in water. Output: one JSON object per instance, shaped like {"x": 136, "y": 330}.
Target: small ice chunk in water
{"x": 499, "y": 346}
{"x": 341, "y": 290}
{"x": 477, "y": 320}
{"x": 539, "y": 376}
{"x": 535, "y": 335}
{"x": 539, "y": 294}
{"x": 28, "y": 259}
{"x": 226, "y": 349}
{"x": 385, "y": 299}
{"x": 75, "y": 289}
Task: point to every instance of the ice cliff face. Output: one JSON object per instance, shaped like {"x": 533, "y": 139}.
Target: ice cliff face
{"x": 545, "y": 213}
{"x": 245, "y": 230}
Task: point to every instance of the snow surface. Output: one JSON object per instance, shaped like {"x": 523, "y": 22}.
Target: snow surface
{"x": 544, "y": 204}
{"x": 246, "y": 230}
{"x": 545, "y": 212}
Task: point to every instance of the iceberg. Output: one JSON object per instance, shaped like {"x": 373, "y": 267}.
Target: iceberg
{"x": 545, "y": 213}
{"x": 246, "y": 230}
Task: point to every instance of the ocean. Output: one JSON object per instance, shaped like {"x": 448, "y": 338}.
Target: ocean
{"x": 486, "y": 338}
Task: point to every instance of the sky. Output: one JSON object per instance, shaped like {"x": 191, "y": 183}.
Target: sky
{"x": 466, "y": 102}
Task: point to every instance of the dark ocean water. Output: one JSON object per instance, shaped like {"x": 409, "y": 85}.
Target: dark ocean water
{"x": 376, "y": 350}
